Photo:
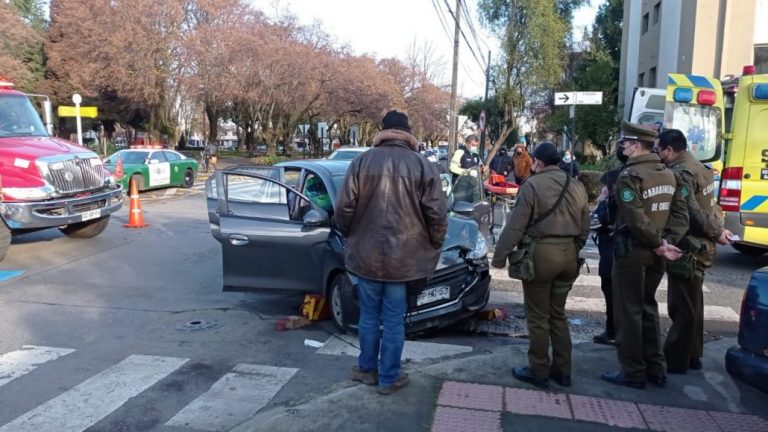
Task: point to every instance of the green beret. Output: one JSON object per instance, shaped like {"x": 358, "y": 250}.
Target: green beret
{"x": 636, "y": 132}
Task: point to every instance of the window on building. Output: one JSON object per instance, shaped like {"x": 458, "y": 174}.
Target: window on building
{"x": 652, "y": 77}
{"x": 641, "y": 80}
{"x": 645, "y": 24}
{"x": 761, "y": 58}
{"x": 656, "y": 12}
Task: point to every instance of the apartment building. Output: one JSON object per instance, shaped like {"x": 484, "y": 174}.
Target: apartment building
{"x": 702, "y": 37}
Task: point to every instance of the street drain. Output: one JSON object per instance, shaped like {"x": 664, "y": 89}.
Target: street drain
{"x": 195, "y": 325}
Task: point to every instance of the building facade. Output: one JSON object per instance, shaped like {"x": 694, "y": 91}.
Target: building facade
{"x": 703, "y": 37}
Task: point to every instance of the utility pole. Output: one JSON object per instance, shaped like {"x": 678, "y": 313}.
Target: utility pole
{"x": 454, "y": 81}
{"x": 485, "y": 100}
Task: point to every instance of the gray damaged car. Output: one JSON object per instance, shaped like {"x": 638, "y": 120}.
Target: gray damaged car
{"x": 276, "y": 232}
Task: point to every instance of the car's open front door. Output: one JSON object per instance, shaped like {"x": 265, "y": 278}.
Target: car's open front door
{"x": 271, "y": 236}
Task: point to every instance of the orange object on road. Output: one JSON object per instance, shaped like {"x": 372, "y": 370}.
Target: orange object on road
{"x": 135, "y": 216}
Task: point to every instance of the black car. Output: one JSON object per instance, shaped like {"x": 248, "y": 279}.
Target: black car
{"x": 749, "y": 360}
{"x": 276, "y": 232}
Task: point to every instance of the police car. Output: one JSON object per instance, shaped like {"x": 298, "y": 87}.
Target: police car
{"x": 152, "y": 167}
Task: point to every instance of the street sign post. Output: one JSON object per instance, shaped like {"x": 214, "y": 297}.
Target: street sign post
{"x": 70, "y": 111}
{"x": 77, "y": 99}
{"x": 322, "y": 131}
{"x": 571, "y": 99}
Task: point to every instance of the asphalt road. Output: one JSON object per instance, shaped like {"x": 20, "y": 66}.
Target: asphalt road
{"x": 131, "y": 330}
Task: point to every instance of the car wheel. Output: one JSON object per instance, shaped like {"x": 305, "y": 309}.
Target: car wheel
{"x": 342, "y": 303}
{"x": 5, "y": 239}
{"x": 87, "y": 229}
{"x": 189, "y": 178}
{"x": 748, "y": 249}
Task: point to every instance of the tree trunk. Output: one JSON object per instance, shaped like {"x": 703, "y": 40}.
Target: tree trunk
{"x": 212, "y": 116}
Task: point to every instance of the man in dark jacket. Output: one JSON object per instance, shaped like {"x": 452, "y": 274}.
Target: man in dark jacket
{"x": 392, "y": 212}
{"x": 502, "y": 163}
{"x": 570, "y": 165}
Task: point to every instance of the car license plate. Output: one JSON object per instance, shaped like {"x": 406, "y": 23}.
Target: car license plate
{"x": 91, "y": 214}
{"x": 433, "y": 294}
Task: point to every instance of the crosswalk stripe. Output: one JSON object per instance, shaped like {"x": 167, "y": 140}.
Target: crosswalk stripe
{"x": 21, "y": 362}
{"x": 412, "y": 350}
{"x": 93, "y": 399}
{"x": 236, "y": 397}
{"x": 589, "y": 304}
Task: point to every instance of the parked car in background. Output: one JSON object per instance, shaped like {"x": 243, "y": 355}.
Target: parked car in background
{"x": 431, "y": 155}
{"x": 153, "y": 168}
{"x": 347, "y": 153}
{"x": 281, "y": 218}
{"x": 442, "y": 152}
{"x": 748, "y": 361}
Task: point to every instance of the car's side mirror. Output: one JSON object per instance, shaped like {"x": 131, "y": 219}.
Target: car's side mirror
{"x": 463, "y": 208}
{"x": 313, "y": 218}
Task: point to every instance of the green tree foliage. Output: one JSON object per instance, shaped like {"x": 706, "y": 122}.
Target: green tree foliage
{"x": 597, "y": 70}
{"x": 533, "y": 35}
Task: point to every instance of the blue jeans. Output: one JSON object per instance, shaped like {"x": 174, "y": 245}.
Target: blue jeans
{"x": 381, "y": 303}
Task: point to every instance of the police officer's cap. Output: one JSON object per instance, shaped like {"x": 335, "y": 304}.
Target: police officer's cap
{"x": 546, "y": 153}
{"x": 636, "y": 132}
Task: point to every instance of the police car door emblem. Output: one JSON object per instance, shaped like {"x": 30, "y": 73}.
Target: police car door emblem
{"x": 627, "y": 195}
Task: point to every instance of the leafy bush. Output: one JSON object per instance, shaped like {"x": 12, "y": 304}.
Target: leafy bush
{"x": 591, "y": 181}
{"x": 265, "y": 160}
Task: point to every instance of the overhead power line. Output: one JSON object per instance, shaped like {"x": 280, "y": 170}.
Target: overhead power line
{"x": 471, "y": 49}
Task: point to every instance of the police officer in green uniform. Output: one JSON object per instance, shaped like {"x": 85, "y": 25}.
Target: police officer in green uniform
{"x": 685, "y": 299}
{"x": 651, "y": 218}
{"x": 554, "y": 239}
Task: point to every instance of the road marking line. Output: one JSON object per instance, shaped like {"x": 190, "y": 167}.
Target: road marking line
{"x": 21, "y": 362}
{"x": 10, "y": 274}
{"x": 412, "y": 350}
{"x": 233, "y": 399}
{"x": 589, "y": 304}
{"x": 93, "y": 399}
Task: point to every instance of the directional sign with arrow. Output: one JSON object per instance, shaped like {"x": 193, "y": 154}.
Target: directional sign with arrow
{"x": 565, "y": 98}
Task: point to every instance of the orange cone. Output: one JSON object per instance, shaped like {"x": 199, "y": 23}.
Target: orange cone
{"x": 135, "y": 217}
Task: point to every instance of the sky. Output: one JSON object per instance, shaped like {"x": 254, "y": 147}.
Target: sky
{"x": 388, "y": 28}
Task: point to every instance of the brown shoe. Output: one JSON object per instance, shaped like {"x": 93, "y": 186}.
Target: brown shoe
{"x": 401, "y": 382}
{"x": 365, "y": 377}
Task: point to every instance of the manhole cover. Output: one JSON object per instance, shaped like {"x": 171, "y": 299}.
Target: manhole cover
{"x": 195, "y": 325}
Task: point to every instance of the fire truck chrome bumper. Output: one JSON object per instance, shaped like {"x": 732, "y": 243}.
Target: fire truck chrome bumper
{"x": 61, "y": 212}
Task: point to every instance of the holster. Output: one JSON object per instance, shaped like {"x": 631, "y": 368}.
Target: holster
{"x": 521, "y": 260}
{"x": 685, "y": 267}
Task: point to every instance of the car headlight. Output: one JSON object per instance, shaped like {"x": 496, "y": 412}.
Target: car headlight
{"x": 33, "y": 193}
{"x": 481, "y": 248}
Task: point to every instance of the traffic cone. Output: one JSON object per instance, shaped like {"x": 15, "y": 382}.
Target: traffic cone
{"x": 135, "y": 217}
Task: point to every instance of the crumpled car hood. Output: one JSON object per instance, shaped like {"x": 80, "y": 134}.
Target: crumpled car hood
{"x": 462, "y": 234}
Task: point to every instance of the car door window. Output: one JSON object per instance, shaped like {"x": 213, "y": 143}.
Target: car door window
{"x": 171, "y": 156}
{"x": 158, "y": 156}
{"x": 255, "y": 197}
{"x": 315, "y": 189}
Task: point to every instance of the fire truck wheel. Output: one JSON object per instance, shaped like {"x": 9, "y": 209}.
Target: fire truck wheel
{"x": 5, "y": 239}
{"x": 88, "y": 229}
{"x": 189, "y": 178}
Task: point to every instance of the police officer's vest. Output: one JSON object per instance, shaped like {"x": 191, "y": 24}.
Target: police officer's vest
{"x": 705, "y": 183}
{"x": 468, "y": 159}
{"x": 657, "y": 188}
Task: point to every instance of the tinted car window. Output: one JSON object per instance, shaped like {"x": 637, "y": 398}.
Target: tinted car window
{"x": 130, "y": 157}
{"x": 158, "y": 155}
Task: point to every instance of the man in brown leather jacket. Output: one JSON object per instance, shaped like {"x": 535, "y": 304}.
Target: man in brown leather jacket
{"x": 558, "y": 238}
{"x": 392, "y": 212}
{"x": 651, "y": 218}
{"x": 684, "y": 345}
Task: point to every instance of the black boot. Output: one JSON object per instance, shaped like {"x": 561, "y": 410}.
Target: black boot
{"x": 524, "y": 374}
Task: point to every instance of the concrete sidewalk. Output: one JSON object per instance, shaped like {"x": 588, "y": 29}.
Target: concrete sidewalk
{"x": 476, "y": 392}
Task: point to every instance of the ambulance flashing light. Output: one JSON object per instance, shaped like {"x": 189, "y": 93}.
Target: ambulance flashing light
{"x": 683, "y": 95}
{"x": 760, "y": 92}
{"x": 706, "y": 97}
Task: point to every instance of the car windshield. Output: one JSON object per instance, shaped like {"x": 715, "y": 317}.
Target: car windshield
{"x": 19, "y": 118}
{"x": 129, "y": 157}
{"x": 344, "y": 154}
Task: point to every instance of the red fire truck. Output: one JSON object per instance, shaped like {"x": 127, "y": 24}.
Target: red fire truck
{"x": 47, "y": 182}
